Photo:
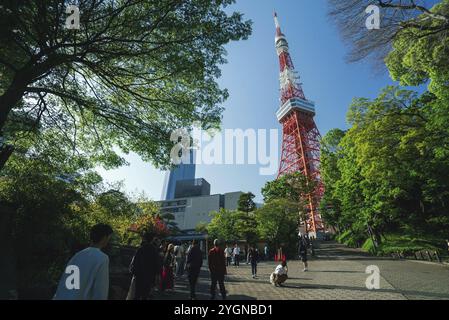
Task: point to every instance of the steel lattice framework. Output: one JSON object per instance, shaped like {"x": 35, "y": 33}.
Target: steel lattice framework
{"x": 301, "y": 138}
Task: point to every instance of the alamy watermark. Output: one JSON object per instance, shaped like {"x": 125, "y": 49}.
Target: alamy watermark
{"x": 73, "y": 20}
{"x": 373, "y": 280}
{"x": 227, "y": 147}
{"x": 72, "y": 282}
{"x": 373, "y": 20}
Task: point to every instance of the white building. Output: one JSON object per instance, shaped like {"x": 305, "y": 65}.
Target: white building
{"x": 190, "y": 211}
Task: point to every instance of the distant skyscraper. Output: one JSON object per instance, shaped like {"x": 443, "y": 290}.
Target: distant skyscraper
{"x": 184, "y": 171}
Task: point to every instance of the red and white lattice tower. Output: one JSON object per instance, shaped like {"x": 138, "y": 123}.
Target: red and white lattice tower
{"x": 301, "y": 138}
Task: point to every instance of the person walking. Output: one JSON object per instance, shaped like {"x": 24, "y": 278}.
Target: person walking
{"x": 91, "y": 266}
{"x": 217, "y": 268}
{"x": 167, "y": 279}
{"x": 253, "y": 257}
{"x": 179, "y": 252}
{"x": 236, "y": 255}
{"x": 309, "y": 244}
{"x": 302, "y": 248}
{"x": 189, "y": 248}
{"x": 280, "y": 254}
{"x": 280, "y": 274}
{"x": 145, "y": 266}
{"x": 228, "y": 255}
{"x": 193, "y": 266}
{"x": 265, "y": 253}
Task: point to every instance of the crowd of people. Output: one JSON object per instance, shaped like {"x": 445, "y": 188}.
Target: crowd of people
{"x": 157, "y": 264}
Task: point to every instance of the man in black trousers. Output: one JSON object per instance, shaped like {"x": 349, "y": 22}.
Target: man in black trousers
{"x": 193, "y": 266}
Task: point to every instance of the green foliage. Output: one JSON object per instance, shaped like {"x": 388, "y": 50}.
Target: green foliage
{"x": 386, "y": 173}
{"x": 351, "y": 238}
{"x": 136, "y": 71}
{"x": 286, "y": 201}
{"x": 233, "y": 225}
{"x": 56, "y": 204}
{"x": 223, "y": 225}
{"x": 201, "y": 227}
{"x": 421, "y": 54}
{"x": 389, "y": 173}
{"x": 293, "y": 187}
{"x": 246, "y": 226}
{"x": 246, "y": 202}
{"x": 406, "y": 245}
{"x": 278, "y": 222}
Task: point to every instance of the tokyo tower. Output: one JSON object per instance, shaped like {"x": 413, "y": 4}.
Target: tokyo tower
{"x": 300, "y": 136}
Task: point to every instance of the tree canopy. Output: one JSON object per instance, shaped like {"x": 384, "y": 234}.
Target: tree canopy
{"x": 386, "y": 173}
{"x": 135, "y": 71}
{"x": 398, "y": 18}
{"x": 246, "y": 202}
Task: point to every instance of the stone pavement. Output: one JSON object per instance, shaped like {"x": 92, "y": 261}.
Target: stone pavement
{"x": 336, "y": 273}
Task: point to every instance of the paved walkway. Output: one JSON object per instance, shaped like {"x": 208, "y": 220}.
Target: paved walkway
{"x": 337, "y": 273}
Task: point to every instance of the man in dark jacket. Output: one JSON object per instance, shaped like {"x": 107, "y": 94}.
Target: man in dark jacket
{"x": 193, "y": 266}
{"x": 302, "y": 248}
{"x": 253, "y": 257}
{"x": 217, "y": 268}
{"x": 145, "y": 266}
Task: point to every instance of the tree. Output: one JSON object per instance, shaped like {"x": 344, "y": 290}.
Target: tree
{"x": 201, "y": 227}
{"x": 277, "y": 222}
{"x": 386, "y": 174}
{"x": 295, "y": 187}
{"x": 151, "y": 224}
{"x": 223, "y": 225}
{"x": 54, "y": 205}
{"x": 330, "y": 206}
{"x": 397, "y": 17}
{"x": 134, "y": 72}
{"x": 45, "y": 226}
{"x": 420, "y": 57}
{"x": 246, "y": 202}
{"x": 246, "y": 226}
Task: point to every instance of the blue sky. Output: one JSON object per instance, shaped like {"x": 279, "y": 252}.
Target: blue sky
{"x": 251, "y": 76}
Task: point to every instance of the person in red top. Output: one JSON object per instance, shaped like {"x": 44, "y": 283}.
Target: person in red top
{"x": 217, "y": 268}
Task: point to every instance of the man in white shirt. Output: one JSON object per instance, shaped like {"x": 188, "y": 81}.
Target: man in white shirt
{"x": 236, "y": 254}
{"x": 279, "y": 276}
{"x": 228, "y": 255}
{"x": 86, "y": 276}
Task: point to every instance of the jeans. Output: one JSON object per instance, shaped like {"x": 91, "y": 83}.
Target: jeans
{"x": 254, "y": 267}
{"x": 220, "y": 279}
{"x": 236, "y": 260}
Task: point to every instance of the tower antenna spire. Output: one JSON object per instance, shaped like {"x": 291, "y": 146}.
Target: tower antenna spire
{"x": 276, "y": 23}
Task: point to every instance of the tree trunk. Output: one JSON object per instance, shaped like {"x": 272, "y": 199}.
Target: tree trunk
{"x": 5, "y": 153}
{"x": 375, "y": 237}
